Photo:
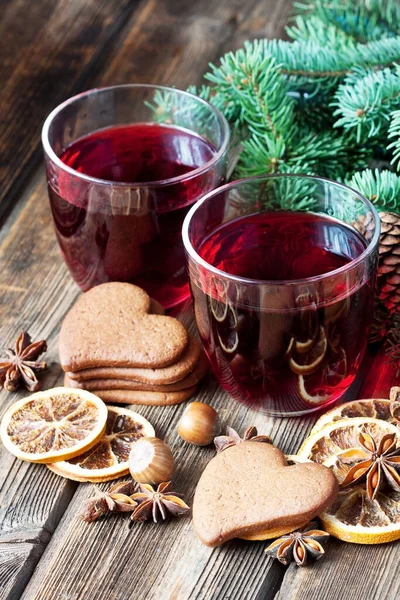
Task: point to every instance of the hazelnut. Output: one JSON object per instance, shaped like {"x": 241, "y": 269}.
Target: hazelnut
{"x": 151, "y": 461}
{"x": 199, "y": 424}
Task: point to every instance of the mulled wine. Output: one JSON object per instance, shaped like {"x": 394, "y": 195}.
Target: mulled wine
{"x": 136, "y": 237}
{"x": 297, "y": 350}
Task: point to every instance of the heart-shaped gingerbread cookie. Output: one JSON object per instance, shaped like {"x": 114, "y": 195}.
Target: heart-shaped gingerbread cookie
{"x": 249, "y": 491}
{"x": 110, "y": 326}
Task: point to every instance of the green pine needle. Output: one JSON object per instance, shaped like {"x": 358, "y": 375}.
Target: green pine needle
{"x": 359, "y": 20}
{"x": 313, "y": 28}
{"x": 394, "y": 132}
{"x": 307, "y": 65}
{"x": 382, "y": 188}
{"x": 252, "y": 85}
{"x": 364, "y": 107}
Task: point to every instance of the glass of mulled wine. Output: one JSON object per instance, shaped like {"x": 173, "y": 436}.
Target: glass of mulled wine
{"x": 282, "y": 272}
{"x": 124, "y": 164}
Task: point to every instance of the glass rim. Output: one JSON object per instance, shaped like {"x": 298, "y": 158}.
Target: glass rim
{"x": 48, "y": 150}
{"x": 283, "y": 282}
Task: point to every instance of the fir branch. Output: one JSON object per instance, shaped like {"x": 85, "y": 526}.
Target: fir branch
{"x": 364, "y": 108}
{"x": 359, "y": 20}
{"x": 313, "y": 28}
{"x": 329, "y": 153}
{"x": 326, "y": 154}
{"x": 311, "y": 67}
{"x": 218, "y": 100}
{"x": 261, "y": 156}
{"x": 250, "y": 81}
{"x": 394, "y": 132}
{"x": 382, "y": 188}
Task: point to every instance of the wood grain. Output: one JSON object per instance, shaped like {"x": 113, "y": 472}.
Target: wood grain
{"x": 170, "y": 42}
{"x": 36, "y": 290}
{"x": 35, "y": 293}
{"x": 50, "y": 50}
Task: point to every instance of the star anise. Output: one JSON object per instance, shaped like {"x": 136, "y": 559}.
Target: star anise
{"x": 299, "y": 546}
{"x": 376, "y": 464}
{"x": 222, "y": 442}
{"x": 116, "y": 499}
{"x": 20, "y": 364}
{"x": 161, "y": 503}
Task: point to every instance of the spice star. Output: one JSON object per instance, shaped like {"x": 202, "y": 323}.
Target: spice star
{"x": 153, "y": 504}
{"x": 376, "y": 464}
{"x": 21, "y": 365}
{"x": 116, "y": 499}
{"x": 299, "y": 546}
{"x": 222, "y": 442}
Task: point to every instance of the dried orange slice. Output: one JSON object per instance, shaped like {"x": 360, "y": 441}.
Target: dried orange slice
{"x": 227, "y": 332}
{"x": 53, "y": 425}
{"x": 108, "y": 458}
{"x": 377, "y": 408}
{"x": 308, "y": 362}
{"x": 342, "y": 435}
{"x": 318, "y": 387}
{"x": 218, "y": 309}
{"x": 355, "y": 517}
{"x": 311, "y": 391}
{"x": 305, "y": 326}
{"x": 217, "y": 298}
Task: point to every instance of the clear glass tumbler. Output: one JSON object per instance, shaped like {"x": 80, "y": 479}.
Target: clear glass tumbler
{"x": 282, "y": 271}
{"x": 124, "y": 164}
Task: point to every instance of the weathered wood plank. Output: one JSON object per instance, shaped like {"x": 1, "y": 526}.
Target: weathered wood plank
{"x": 349, "y": 571}
{"x": 105, "y": 559}
{"x": 48, "y": 50}
{"x": 35, "y": 293}
{"x": 352, "y": 570}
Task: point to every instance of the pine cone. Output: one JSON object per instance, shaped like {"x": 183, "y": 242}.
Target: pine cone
{"x": 389, "y": 261}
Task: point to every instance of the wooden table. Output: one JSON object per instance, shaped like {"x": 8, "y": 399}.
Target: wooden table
{"x": 50, "y": 50}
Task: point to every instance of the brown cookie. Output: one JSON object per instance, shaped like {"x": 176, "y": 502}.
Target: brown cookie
{"x": 147, "y": 398}
{"x": 190, "y": 380}
{"x": 249, "y": 491}
{"x": 162, "y": 376}
{"x": 110, "y": 326}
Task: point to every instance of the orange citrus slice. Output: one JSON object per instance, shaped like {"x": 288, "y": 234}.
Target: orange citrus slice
{"x": 305, "y": 346}
{"x": 354, "y": 517}
{"x": 306, "y": 331}
{"x": 218, "y": 309}
{"x": 218, "y": 303}
{"x": 318, "y": 387}
{"x": 377, "y": 408}
{"x": 316, "y": 395}
{"x": 308, "y": 362}
{"x": 108, "y": 458}
{"x": 53, "y": 425}
{"x": 334, "y": 438}
{"x": 227, "y": 332}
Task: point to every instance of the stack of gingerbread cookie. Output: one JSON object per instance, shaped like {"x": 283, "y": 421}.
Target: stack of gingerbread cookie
{"x": 117, "y": 343}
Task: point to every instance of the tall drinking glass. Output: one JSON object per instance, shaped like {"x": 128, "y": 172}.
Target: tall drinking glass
{"x": 124, "y": 164}
{"x": 282, "y": 271}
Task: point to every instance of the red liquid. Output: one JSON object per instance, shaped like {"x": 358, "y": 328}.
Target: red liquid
{"x": 283, "y": 360}
{"x": 122, "y": 234}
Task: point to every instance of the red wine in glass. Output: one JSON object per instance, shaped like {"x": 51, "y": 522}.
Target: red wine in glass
{"x": 136, "y": 236}
{"x": 283, "y": 360}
